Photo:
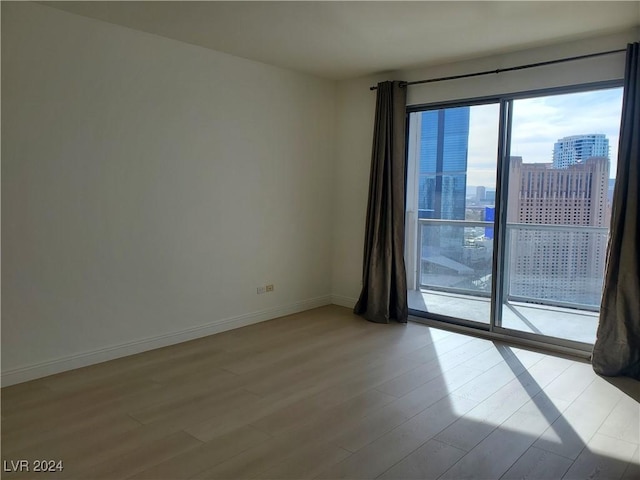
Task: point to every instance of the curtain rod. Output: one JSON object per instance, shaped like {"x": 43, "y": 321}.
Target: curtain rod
{"x": 509, "y": 69}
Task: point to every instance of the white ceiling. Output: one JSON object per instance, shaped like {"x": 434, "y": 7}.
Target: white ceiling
{"x": 347, "y": 39}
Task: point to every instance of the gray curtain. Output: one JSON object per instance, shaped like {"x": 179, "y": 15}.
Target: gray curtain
{"x": 384, "y": 280}
{"x": 617, "y": 347}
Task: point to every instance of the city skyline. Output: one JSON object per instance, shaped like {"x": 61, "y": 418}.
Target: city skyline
{"x": 537, "y": 124}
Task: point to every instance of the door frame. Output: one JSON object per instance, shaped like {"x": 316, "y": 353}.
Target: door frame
{"x": 494, "y": 327}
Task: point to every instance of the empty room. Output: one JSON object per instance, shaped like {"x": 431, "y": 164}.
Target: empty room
{"x": 304, "y": 239}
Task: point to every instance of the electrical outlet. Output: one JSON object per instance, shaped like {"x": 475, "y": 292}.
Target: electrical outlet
{"x": 270, "y": 288}
{"x": 261, "y": 290}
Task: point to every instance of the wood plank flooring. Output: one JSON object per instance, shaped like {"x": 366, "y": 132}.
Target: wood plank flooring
{"x": 325, "y": 394}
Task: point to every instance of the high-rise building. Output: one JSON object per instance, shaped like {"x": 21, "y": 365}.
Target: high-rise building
{"x": 575, "y": 149}
{"x": 555, "y": 262}
{"x": 444, "y": 142}
{"x": 544, "y": 194}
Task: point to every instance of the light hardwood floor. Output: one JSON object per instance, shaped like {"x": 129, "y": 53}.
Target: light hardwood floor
{"x": 325, "y": 394}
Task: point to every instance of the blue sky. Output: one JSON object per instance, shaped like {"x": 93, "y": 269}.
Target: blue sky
{"x": 537, "y": 124}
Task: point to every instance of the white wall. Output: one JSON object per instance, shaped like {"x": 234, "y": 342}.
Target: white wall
{"x": 148, "y": 187}
{"x": 356, "y": 107}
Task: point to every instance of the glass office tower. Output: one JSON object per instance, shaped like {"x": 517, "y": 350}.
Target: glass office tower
{"x": 444, "y": 141}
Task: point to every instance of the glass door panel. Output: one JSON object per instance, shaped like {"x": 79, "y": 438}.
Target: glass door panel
{"x": 560, "y": 186}
{"x": 450, "y": 210}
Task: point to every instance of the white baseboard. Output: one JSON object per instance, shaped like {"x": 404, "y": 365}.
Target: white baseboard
{"x": 71, "y": 362}
{"x": 343, "y": 301}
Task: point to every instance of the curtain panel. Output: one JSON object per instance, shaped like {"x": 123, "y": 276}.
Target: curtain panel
{"x": 617, "y": 347}
{"x": 384, "y": 281}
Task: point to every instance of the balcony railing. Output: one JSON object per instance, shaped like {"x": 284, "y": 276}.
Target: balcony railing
{"x": 557, "y": 265}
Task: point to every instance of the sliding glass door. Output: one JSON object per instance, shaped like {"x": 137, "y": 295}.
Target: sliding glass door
{"x": 513, "y": 239}
{"x": 452, "y": 185}
{"x": 560, "y": 186}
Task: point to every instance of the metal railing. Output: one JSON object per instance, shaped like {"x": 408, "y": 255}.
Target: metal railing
{"x": 458, "y": 243}
{"x": 420, "y": 258}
